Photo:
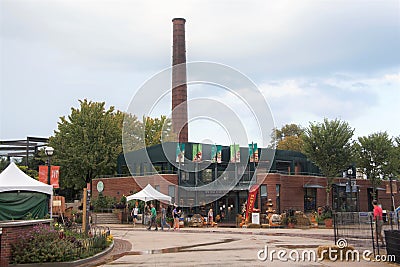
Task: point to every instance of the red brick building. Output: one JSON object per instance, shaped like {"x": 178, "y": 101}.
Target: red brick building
{"x": 287, "y": 178}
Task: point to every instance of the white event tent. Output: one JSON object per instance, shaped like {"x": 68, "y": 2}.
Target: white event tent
{"x": 21, "y": 195}
{"x": 13, "y": 179}
{"x": 149, "y": 193}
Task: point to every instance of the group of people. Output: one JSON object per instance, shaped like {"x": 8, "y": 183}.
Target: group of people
{"x": 176, "y": 213}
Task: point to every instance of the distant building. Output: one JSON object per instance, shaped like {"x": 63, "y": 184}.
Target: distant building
{"x": 287, "y": 178}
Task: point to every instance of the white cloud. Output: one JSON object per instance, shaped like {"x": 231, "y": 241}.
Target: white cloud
{"x": 366, "y": 102}
{"x": 62, "y": 51}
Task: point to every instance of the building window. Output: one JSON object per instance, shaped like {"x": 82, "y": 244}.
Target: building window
{"x": 171, "y": 192}
{"x": 157, "y": 187}
{"x": 264, "y": 198}
{"x": 310, "y": 199}
{"x": 184, "y": 176}
{"x": 206, "y": 175}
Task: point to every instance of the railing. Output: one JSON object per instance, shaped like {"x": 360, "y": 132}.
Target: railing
{"x": 94, "y": 242}
{"x": 360, "y": 230}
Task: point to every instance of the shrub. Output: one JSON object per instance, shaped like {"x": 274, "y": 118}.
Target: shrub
{"x": 102, "y": 202}
{"x": 45, "y": 244}
{"x": 42, "y": 244}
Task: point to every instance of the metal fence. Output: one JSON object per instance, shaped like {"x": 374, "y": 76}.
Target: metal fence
{"x": 355, "y": 227}
{"x": 359, "y": 230}
{"x": 92, "y": 243}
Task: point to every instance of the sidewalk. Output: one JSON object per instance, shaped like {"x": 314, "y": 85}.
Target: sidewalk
{"x": 216, "y": 246}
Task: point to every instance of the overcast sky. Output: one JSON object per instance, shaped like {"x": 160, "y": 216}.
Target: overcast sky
{"x": 310, "y": 59}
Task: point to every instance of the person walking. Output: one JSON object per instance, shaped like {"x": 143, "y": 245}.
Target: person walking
{"x": 164, "y": 218}
{"x": 210, "y": 218}
{"x": 176, "y": 214}
{"x": 378, "y": 218}
{"x": 134, "y": 214}
{"x": 153, "y": 217}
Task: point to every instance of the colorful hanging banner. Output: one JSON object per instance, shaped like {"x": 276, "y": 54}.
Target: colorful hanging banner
{"x": 213, "y": 153}
{"x": 253, "y": 152}
{"x": 197, "y": 152}
{"x": 251, "y": 200}
{"x": 219, "y": 154}
{"x": 180, "y": 153}
{"x": 54, "y": 175}
{"x": 235, "y": 153}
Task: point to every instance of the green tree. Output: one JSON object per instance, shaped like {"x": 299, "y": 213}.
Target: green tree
{"x": 32, "y": 173}
{"x": 328, "y": 145}
{"x": 3, "y": 163}
{"x": 139, "y": 134}
{"x": 289, "y": 137}
{"x": 395, "y": 157}
{"x": 87, "y": 143}
{"x": 375, "y": 157}
{"x": 132, "y": 132}
{"x": 157, "y": 130}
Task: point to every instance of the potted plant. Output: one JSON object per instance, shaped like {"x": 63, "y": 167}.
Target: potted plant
{"x": 326, "y": 216}
{"x": 289, "y": 219}
{"x": 170, "y": 221}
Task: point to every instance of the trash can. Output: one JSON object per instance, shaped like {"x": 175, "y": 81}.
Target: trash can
{"x": 392, "y": 238}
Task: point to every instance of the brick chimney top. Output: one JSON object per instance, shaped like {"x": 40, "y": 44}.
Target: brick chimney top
{"x": 173, "y": 20}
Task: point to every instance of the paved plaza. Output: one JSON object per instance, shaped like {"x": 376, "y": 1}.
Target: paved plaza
{"x": 216, "y": 247}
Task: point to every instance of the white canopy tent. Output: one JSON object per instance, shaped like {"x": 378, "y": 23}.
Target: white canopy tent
{"x": 149, "y": 193}
{"x": 21, "y": 195}
{"x": 13, "y": 179}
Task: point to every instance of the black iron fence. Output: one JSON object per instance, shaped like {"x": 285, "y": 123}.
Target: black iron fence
{"x": 361, "y": 231}
{"x": 96, "y": 240}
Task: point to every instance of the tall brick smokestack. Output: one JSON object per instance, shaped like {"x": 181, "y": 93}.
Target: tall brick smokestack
{"x": 179, "y": 87}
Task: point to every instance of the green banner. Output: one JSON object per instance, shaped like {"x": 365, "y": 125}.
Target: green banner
{"x": 180, "y": 153}
{"x": 235, "y": 153}
{"x": 197, "y": 152}
{"x": 253, "y": 152}
{"x": 219, "y": 154}
{"x": 213, "y": 153}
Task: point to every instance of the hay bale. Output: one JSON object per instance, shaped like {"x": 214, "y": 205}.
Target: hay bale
{"x": 253, "y": 225}
{"x": 302, "y": 219}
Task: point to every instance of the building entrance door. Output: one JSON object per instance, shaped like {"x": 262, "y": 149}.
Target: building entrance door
{"x": 228, "y": 207}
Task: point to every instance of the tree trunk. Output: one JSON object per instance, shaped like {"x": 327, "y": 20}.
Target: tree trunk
{"x": 327, "y": 197}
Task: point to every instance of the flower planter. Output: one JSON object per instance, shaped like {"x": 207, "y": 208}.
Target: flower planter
{"x": 290, "y": 225}
{"x": 328, "y": 223}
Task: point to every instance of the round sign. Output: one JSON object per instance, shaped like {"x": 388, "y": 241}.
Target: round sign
{"x": 100, "y": 186}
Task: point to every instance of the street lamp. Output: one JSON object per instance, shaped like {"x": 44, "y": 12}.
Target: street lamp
{"x": 349, "y": 175}
{"x": 391, "y": 200}
{"x": 49, "y": 152}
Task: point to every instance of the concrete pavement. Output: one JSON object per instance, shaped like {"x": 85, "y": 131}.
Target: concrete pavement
{"x": 220, "y": 247}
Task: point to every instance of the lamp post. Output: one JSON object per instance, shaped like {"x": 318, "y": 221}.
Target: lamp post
{"x": 349, "y": 175}
{"x": 49, "y": 152}
{"x": 392, "y": 201}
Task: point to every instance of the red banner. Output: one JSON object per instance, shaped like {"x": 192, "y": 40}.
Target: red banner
{"x": 251, "y": 200}
{"x": 54, "y": 175}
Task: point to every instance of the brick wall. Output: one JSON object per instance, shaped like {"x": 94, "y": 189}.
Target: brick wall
{"x": 119, "y": 186}
{"x": 11, "y": 232}
{"x": 291, "y": 193}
